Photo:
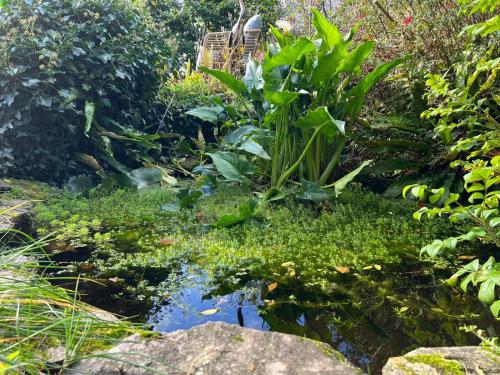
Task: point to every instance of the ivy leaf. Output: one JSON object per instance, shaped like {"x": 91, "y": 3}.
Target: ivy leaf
{"x": 45, "y": 101}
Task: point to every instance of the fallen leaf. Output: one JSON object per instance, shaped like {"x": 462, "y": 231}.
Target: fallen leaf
{"x": 343, "y": 269}
{"x": 466, "y": 257}
{"x": 210, "y": 312}
{"x": 378, "y": 267}
{"x": 272, "y": 286}
{"x": 168, "y": 241}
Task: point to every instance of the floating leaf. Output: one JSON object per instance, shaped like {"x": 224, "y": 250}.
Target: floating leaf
{"x": 210, "y": 311}
{"x": 343, "y": 269}
{"x": 466, "y": 257}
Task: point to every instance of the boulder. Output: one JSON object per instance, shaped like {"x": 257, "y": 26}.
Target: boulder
{"x": 462, "y": 360}
{"x": 4, "y": 188}
{"x": 217, "y": 348}
{"x": 16, "y": 214}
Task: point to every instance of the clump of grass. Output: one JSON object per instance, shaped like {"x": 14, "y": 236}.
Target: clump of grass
{"x": 37, "y": 317}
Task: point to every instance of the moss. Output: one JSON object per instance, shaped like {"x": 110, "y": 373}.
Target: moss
{"x": 238, "y": 338}
{"x": 445, "y": 366}
{"x": 149, "y": 334}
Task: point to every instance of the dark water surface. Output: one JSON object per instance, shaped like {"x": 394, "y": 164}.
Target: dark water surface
{"x": 367, "y": 339}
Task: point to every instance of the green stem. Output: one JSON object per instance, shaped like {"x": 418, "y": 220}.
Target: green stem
{"x": 292, "y": 169}
{"x": 339, "y": 147}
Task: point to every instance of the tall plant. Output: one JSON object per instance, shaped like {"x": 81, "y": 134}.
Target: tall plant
{"x": 307, "y": 91}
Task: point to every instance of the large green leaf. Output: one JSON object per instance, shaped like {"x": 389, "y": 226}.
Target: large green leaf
{"x": 278, "y": 35}
{"x": 281, "y": 97}
{"x": 328, "y": 64}
{"x": 357, "y": 95}
{"x": 290, "y": 54}
{"x": 330, "y": 35}
{"x": 231, "y": 166}
{"x": 312, "y": 192}
{"x": 342, "y": 183}
{"x": 391, "y": 165}
{"x": 253, "y": 76}
{"x": 210, "y": 114}
{"x": 227, "y": 79}
{"x": 246, "y": 210}
{"x": 254, "y": 148}
{"x": 320, "y": 118}
{"x": 143, "y": 177}
{"x": 354, "y": 60}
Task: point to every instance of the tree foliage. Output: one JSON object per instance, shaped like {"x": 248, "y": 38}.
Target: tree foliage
{"x": 76, "y": 77}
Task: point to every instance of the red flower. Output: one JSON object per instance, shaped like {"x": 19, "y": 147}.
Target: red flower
{"x": 408, "y": 20}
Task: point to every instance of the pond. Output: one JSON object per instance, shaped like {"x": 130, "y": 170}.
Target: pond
{"x": 348, "y": 277}
{"x": 364, "y": 339}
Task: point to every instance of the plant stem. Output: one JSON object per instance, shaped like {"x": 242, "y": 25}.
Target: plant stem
{"x": 292, "y": 169}
{"x": 339, "y": 147}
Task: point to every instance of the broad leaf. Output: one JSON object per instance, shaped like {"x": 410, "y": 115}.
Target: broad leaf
{"x": 227, "y": 79}
{"x": 353, "y": 61}
{"x": 321, "y": 118}
{"x": 312, "y": 192}
{"x": 247, "y": 211}
{"x": 330, "y": 35}
{"x": 210, "y": 114}
{"x": 290, "y": 54}
{"x": 254, "y": 148}
{"x": 253, "y": 76}
{"x": 328, "y": 65}
{"x": 232, "y": 166}
{"x": 143, "y": 177}
{"x": 341, "y": 184}
{"x": 281, "y": 97}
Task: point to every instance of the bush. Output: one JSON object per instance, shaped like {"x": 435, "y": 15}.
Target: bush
{"x": 76, "y": 77}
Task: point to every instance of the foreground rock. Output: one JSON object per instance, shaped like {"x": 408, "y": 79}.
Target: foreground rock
{"x": 470, "y": 360}
{"x": 219, "y": 348}
{"x": 15, "y": 214}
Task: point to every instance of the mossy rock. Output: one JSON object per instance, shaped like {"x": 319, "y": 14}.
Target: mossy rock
{"x": 468, "y": 360}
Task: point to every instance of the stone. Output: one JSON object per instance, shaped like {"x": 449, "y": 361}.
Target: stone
{"x": 461, "y": 360}
{"x": 4, "y": 188}
{"x": 16, "y": 214}
{"x": 217, "y": 348}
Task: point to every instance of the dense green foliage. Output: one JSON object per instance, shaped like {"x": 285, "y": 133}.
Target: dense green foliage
{"x": 468, "y": 122}
{"x": 76, "y": 77}
{"x": 308, "y": 94}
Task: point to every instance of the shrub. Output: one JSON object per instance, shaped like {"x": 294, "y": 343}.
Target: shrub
{"x": 75, "y": 77}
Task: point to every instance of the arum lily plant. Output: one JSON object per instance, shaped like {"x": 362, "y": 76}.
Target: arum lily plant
{"x": 307, "y": 91}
